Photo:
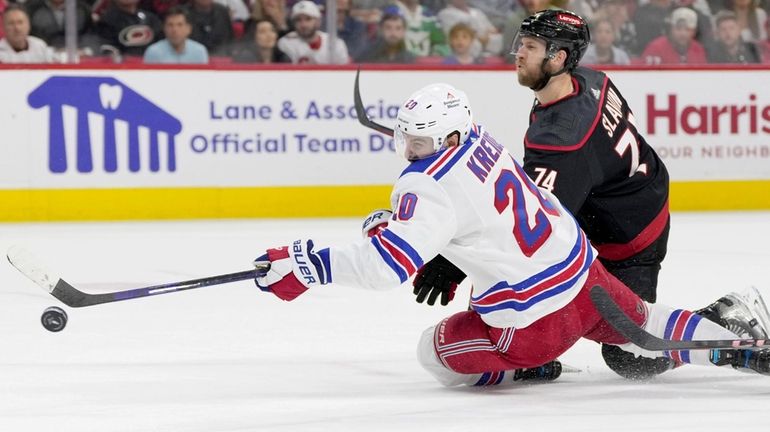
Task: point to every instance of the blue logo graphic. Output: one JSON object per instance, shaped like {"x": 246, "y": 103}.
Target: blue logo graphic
{"x": 112, "y": 100}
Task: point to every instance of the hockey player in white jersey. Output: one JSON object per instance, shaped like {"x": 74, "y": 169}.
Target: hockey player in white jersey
{"x": 464, "y": 196}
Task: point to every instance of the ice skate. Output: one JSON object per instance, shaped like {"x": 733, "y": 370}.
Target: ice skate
{"x": 743, "y": 360}
{"x": 744, "y": 314}
{"x": 547, "y": 372}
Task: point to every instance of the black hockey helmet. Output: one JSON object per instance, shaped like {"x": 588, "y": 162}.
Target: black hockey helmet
{"x": 560, "y": 30}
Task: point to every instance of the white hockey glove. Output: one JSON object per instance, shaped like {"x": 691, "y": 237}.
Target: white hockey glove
{"x": 294, "y": 269}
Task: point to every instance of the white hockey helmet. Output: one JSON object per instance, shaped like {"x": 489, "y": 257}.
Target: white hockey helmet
{"x": 433, "y": 112}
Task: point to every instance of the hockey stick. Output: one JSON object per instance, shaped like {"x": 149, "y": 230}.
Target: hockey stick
{"x": 30, "y": 267}
{"x": 361, "y": 112}
{"x": 611, "y": 312}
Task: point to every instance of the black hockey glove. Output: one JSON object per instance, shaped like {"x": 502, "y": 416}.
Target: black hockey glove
{"x": 437, "y": 276}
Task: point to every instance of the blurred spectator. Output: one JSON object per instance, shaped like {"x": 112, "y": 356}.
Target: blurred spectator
{"x": 261, "y": 45}
{"x": 352, "y": 30}
{"x": 488, "y": 38}
{"x": 619, "y": 13}
{"x": 650, "y": 22}
{"x": 512, "y": 24}
{"x": 273, "y": 10}
{"x": 601, "y": 50}
{"x": 158, "y": 7}
{"x": 702, "y": 6}
{"x": 424, "y": 35}
{"x": 526, "y": 8}
{"x": 498, "y": 11}
{"x": 764, "y": 46}
{"x": 368, "y": 11}
{"x": 751, "y": 19}
{"x": 390, "y": 46}
{"x": 307, "y": 43}
{"x": 127, "y": 28}
{"x": 584, "y": 8}
{"x": 3, "y": 5}
{"x": 176, "y": 48}
{"x": 680, "y": 46}
{"x": 729, "y": 46}
{"x": 461, "y": 38}
{"x": 289, "y": 4}
{"x": 18, "y": 46}
{"x": 211, "y": 26}
{"x": 434, "y": 5}
{"x": 705, "y": 31}
{"x": 46, "y": 19}
{"x": 99, "y": 7}
{"x": 237, "y": 8}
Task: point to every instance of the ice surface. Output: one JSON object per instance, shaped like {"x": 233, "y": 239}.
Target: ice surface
{"x": 231, "y": 358}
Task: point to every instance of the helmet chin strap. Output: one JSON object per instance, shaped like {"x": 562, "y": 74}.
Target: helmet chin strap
{"x": 542, "y": 82}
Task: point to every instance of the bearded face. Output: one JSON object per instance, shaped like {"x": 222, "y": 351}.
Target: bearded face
{"x": 530, "y": 53}
{"x": 306, "y": 26}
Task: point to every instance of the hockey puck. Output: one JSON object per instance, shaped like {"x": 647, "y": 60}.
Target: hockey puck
{"x": 54, "y": 319}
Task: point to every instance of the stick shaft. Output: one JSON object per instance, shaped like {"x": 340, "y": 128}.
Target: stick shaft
{"x": 30, "y": 266}
{"x": 615, "y": 317}
{"x": 73, "y": 297}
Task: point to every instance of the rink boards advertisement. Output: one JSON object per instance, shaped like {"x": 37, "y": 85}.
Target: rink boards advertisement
{"x": 123, "y": 144}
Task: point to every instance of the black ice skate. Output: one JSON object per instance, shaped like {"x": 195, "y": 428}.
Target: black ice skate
{"x": 743, "y": 360}
{"x": 547, "y": 372}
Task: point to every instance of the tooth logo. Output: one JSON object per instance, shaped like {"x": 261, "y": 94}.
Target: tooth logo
{"x": 83, "y": 100}
{"x": 110, "y": 95}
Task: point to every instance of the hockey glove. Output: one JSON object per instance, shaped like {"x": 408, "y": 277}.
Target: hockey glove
{"x": 437, "y": 276}
{"x": 376, "y": 222}
{"x": 294, "y": 269}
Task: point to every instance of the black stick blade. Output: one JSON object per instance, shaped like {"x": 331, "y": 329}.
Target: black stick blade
{"x": 361, "y": 111}
{"x": 35, "y": 270}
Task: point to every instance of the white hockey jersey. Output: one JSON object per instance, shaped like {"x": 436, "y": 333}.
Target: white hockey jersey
{"x": 301, "y": 52}
{"x": 524, "y": 253}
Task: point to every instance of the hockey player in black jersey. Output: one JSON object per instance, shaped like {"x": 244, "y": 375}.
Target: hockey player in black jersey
{"x": 582, "y": 144}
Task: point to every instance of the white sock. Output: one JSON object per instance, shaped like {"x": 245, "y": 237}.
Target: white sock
{"x": 667, "y": 323}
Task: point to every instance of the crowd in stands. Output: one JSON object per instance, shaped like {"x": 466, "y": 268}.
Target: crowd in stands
{"x": 451, "y": 32}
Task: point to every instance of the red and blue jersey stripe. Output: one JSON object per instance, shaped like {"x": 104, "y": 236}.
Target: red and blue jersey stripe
{"x": 548, "y": 283}
{"x": 490, "y": 378}
{"x": 397, "y": 253}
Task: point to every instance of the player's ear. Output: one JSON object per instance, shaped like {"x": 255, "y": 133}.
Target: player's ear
{"x": 560, "y": 58}
{"x": 453, "y": 139}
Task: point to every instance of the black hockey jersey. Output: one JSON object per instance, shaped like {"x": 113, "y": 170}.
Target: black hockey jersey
{"x": 586, "y": 149}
